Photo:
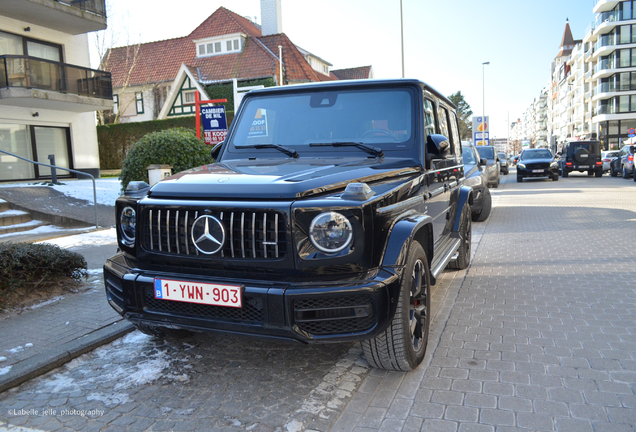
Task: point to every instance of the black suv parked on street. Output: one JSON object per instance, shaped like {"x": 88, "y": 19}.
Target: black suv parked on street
{"x": 581, "y": 156}
{"x": 330, "y": 211}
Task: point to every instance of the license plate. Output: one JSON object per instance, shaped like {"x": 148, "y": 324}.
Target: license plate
{"x": 537, "y": 171}
{"x": 584, "y": 166}
{"x": 200, "y": 293}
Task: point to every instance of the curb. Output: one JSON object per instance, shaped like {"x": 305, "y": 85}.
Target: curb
{"x": 54, "y": 358}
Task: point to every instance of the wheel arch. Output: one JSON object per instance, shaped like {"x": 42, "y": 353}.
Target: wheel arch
{"x": 465, "y": 197}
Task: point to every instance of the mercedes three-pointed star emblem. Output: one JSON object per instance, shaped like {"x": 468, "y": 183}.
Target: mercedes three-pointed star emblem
{"x": 208, "y": 234}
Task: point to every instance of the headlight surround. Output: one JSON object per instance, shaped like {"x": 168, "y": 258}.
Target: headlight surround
{"x": 554, "y": 164}
{"x": 330, "y": 232}
{"x": 128, "y": 225}
{"x": 473, "y": 181}
{"x": 520, "y": 165}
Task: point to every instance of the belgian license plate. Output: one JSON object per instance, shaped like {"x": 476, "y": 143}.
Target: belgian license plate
{"x": 200, "y": 293}
{"x": 584, "y": 166}
{"x": 537, "y": 171}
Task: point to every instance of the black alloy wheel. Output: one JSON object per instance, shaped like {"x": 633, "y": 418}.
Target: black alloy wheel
{"x": 402, "y": 345}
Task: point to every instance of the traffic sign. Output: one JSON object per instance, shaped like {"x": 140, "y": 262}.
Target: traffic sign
{"x": 631, "y": 132}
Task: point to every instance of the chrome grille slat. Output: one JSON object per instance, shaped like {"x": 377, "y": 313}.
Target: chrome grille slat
{"x": 187, "y": 234}
{"x": 243, "y": 235}
{"x": 168, "y": 229}
{"x": 159, "y": 228}
{"x": 259, "y": 235}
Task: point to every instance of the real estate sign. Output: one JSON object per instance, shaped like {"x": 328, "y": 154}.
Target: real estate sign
{"x": 214, "y": 124}
{"x": 481, "y": 131}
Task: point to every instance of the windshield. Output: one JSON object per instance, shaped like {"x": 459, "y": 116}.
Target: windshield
{"x": 381, "y": 118}
{"x": 469, "y": 156}
{"x": 502, "y": 156}
{"x": 486, "y": 152}
{"x": 536, "y": 154}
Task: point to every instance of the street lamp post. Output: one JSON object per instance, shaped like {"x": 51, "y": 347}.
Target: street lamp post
{"x": 483, "y": 100}
{"x": 402, "y": 36}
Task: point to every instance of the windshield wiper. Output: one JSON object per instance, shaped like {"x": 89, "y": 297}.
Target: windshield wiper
{"x": 289, "y": 152}
{"x": 376, "y": 151}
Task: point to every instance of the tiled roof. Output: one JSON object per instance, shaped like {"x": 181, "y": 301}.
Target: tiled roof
{"x": 295, "y": 66}
{"x": 160, "y": 61}
{"x": 362, "y": 72}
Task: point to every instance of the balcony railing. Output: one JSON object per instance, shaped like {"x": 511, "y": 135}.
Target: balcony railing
{"x": 604, "y": 109}
{"x": 610, "y": 16}
{"x": 97, "y": 7}
{"x": 604, "y": 41}
{"x": 603, "y": 65}
{"x": 32, "y": 72}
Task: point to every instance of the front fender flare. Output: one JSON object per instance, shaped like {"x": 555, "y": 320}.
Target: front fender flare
{"x": 465, "y": 196}
{"x": 401, "y": 235}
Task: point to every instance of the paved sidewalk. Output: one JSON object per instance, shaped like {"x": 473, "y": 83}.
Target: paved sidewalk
{"x": 42, "y": 338}
{"x": 540, "y": 334}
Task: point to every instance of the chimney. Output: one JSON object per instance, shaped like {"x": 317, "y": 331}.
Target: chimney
{"x": 271, "y": 17}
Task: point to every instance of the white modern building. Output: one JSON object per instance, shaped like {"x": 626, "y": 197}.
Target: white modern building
{"x": 611, "y": 71}
{"x": 48, "y": 93}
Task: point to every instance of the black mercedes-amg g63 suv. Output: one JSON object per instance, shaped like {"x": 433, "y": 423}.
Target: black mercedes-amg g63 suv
{"x": 330, "y": 211}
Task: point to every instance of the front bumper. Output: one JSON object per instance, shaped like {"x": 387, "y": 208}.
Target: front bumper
{"x": 351, "y": 309}
{"x": 541, "y": 172}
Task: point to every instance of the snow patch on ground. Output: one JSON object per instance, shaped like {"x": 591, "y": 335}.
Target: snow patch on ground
{"x": 48, "y": 302}
{"x": 94, "y": 238}
{"x": 107, "y": 190}
{"x": 5, "y": 370}
{"x": 117, "y": 373}
{"x": 20, "y": 348}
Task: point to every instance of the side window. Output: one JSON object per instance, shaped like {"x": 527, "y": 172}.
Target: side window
{"x": 443, "y": 123}
{"x": 455, "y": 132}
{"x": 429, "y": 119}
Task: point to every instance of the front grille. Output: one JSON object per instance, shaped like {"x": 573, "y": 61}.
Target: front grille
{"x": 248, "y": 234}
{"x": 542, "y": 165}
{"x": 332, "y": 315}
{"x": 252, "y": 310}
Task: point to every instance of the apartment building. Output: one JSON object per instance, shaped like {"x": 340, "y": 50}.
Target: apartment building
{"x": 611, "y": 71}
{"x": 48, "y": 93}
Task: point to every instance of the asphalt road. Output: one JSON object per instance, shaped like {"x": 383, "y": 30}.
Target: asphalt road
{"x": 539, "y": 333}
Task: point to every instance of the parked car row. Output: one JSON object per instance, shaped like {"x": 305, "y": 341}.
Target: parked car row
{"x": 475, "y": 171}
{"x": 623, "y": 163}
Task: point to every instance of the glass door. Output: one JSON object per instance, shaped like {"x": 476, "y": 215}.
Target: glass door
{"x": 16, "y": 139}
{"x": 51, "y": 140}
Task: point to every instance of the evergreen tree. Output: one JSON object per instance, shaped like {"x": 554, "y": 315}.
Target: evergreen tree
{"x": 464, "y": 115}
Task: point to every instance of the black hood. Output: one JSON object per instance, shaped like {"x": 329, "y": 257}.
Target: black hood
{"x": 281, "y": 178}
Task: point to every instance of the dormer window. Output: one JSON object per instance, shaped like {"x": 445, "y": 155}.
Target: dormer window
{"x": 228, "y": 44}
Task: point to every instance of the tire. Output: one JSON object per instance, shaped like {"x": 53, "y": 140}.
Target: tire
{"x": 564, "y": 174}
{"x": 401, "y": 347}
{"x": 519, "y": 179}
{"x": 555, "y": 178}
{"x": 485, "y": 208}
{"x": 634, "y": 176}
{"x": 496, "y": 185}
{"x": 465, "y": 235}
{"x": 625, "y": 175}
{"x": 612, "y": 172}
{"x": 590, "y": 173}
{"x": 598, "y": 174}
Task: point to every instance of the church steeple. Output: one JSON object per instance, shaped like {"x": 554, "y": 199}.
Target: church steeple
{"x": 567, "y": 42}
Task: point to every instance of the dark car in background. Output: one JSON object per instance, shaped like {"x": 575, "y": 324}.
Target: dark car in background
{"x": 492, "y": 168}
{"x": 475, "y": 173}
{"x": 623, "y": 163}
{"x": 504, "y": 163}
{"x": 538, "y": 162}
{"x": 581, "y": 156}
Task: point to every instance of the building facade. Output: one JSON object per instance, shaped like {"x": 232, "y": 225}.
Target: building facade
{"x": 158, "y": 80}
{"x": 48, "y": 93}
{"x": 592, "y": 90}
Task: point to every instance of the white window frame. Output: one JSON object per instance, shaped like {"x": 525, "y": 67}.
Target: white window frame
{"x": 208, "y": 47}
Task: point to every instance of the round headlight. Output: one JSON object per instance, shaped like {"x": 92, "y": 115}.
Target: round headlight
{"x": 520, "y": 165}
{"x": 330, "y": 232}
{"x": 127, "y": 224}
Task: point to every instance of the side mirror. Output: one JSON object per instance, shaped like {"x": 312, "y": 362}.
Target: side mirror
{"x": 216, "y": 150}
{"x": 632, "y": 149}
{"x": 437, "y": 146}
{"x": 483, "y": 162}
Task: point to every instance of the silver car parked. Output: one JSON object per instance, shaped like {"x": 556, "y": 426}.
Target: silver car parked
{"x": 492, "y": 168}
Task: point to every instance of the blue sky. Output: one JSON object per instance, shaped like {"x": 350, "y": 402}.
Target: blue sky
{"x": 445, "y": 42}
